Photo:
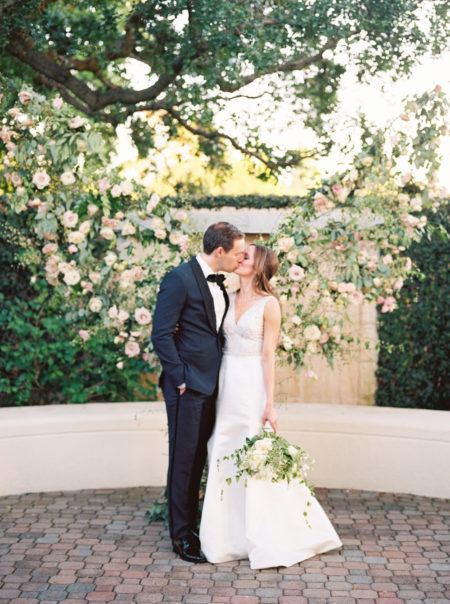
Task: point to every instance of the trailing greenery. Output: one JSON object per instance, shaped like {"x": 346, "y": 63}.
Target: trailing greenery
{"x": 213, "y": 202}
{"x": 414, "y": 364}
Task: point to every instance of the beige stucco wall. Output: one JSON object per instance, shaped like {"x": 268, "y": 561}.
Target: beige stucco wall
{"x": 352, "y": 381}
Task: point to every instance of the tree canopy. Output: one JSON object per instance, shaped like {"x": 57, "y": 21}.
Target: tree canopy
{"x": 199, "y": 54}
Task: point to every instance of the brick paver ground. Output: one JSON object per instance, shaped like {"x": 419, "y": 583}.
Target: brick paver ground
{"x": 96, "y": 546}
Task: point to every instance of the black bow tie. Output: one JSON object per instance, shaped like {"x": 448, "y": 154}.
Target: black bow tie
{"x": 215, "y": 278}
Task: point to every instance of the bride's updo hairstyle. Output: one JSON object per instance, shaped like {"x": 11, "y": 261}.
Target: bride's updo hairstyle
{"x": 265, "y": 265}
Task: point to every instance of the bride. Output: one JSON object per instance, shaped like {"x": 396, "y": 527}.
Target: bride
{"x": 262, "y": 521}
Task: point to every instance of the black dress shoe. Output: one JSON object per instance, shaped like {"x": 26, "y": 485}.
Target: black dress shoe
{"x": 188, "y": 549}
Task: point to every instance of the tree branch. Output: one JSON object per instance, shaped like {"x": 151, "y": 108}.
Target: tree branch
{"x": 215, "y": 134}
{"x": 288, "y": 66}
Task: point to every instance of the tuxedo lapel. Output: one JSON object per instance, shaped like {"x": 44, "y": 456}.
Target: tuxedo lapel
{"x": 206, "y": 293}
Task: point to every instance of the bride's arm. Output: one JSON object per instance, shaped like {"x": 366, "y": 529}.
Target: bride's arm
{"x": 272, "y": 322}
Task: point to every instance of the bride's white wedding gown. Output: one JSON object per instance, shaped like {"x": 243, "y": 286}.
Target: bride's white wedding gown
{"x": 264, "y": 521}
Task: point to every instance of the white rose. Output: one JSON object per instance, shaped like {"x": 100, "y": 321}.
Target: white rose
{"x": 127, "y": 188}
{"x": 128, "y": 229}
{"x": 76, "y": 122}
{"x": 296, "y": 320}
{"x": 110, "y": 258}
{"x": 122, "y": 316}
{"x": 312, "y": 332}
{"x": 85, "y": 227}
{"x": 76, "y": 237}
{"x": 285, "y": 243}
{"x": 92, "y": 209}
{"x": 95, "y": 304}
{"x": 67, "y": 178}
{"x": 116, "y": 191}
{"x": 292, "y": 256}
{"x": 72, "y": 277}
{"x": 112, "y": 312}
{"x": 157, "y": 223}
{"x": 160, "y": 234}
{"x": 107, "y": 233}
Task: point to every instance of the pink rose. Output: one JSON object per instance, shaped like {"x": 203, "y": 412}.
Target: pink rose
{"x": 109, "y": 222}
{"x": 49, "y": 248}
{"x": 340, "y": 192}
{"x": 137, "y": 273}
{"x": 92, "y": 209}
{"x": 69, "y": 219}
{"x": 41, "y": 179}
{"x": 142, "y": 316}
{"x": 103, "y": 185}
{"x": 58, "y": 102}
{"x": 296, "y": 273}
{"x": 132, "y": 349}
{"x": 322, "y": 203}
{"x": 389, "y": 304}
{"x": 34, "y": 203}
{"x": 84, "y": 334}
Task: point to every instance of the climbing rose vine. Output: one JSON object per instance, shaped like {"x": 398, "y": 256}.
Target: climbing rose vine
{"x": 345, "y": 243}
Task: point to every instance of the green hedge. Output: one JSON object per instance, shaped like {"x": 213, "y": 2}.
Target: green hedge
{"x": 237, "y": 201}
{"x": 42, "y": 360}
{"x": 414, "y": 359}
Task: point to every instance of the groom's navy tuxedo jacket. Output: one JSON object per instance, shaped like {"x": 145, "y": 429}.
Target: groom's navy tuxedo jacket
{"x": 184, "y": 333}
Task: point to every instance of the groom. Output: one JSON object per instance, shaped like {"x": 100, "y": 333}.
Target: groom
{"x": 187, "y": 337}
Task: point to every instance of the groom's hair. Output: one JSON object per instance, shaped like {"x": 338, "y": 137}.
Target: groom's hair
{"x": 220, "y": 234}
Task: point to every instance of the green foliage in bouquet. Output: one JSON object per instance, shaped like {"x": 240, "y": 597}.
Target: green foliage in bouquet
{"x": 270, "y": 457}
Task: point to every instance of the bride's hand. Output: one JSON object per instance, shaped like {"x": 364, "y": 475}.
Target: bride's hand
{"x": 270, "y": 415}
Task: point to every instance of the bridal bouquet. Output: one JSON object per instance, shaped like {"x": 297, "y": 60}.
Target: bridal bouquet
{"x": 268, "y": 456}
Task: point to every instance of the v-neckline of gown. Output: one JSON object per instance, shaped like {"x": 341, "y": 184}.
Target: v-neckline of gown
{"x": 236, "y": 323}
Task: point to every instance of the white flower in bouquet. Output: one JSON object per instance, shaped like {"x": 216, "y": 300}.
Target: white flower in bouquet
{"x": 270, "y": 457}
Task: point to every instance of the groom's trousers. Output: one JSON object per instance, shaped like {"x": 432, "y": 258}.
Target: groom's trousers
{"x": 190, "y": 419}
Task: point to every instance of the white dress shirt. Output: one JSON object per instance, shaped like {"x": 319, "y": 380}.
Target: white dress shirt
{"x": 216, "y": 292}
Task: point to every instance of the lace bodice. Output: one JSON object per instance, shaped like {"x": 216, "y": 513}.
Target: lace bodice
{"x": 245, "y": 338}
